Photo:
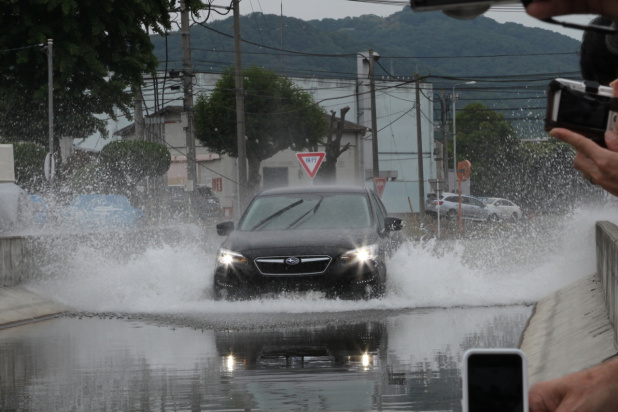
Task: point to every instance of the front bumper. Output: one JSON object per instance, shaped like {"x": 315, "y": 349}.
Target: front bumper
{"x": 339, "y": 279}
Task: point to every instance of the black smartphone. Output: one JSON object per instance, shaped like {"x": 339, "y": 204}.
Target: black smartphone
{"x": 583, "y": 107}
{"x": 494, "y": 380}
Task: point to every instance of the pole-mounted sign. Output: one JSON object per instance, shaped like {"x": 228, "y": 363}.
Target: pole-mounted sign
{"x": 311, "y": 162}
{"x": 380, "y": 184}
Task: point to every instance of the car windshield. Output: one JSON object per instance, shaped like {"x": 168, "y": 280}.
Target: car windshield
{"x": 307, "y": 211}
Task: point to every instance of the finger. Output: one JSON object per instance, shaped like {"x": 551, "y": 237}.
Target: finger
{"x": 579, "y": 142}
{"x": 611, "y": 140}
{"x": 549, "y": 8}
{"x": 585, "y": 165}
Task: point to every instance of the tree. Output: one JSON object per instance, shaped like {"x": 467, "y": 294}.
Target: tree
{"x": 29, "y": 161}
{"x": 278, "y": 116}
{"x": 328, "y": 172}
{"x": 100, "y": 51}
{"x": 121, "y": 166}
{"x": 489, "y": 142}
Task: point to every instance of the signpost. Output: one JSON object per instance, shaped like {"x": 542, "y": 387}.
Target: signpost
{"x": 380, "y": 184}
{"x": 463, "y": 174}
{"x": 311, "y": 162}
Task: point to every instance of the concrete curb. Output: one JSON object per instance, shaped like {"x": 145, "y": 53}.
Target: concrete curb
{"x": 19, "y": 306}
{"x": 569, "y": 331}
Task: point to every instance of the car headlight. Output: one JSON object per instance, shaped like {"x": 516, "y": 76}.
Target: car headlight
{"x": 228, "y": 257}
{"x": 361, "y": 254}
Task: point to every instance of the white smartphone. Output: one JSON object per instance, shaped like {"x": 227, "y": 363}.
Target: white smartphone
{"x": 494, "y": 380}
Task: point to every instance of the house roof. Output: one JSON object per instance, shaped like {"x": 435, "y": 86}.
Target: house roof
{"x": 130, "y": 129}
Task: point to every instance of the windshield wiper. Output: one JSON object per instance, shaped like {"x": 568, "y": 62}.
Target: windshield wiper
{"x": 312, "y": 211}
{"x": 277, "y": 213}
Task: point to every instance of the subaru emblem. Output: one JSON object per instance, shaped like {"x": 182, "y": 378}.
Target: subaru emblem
{"x": 292, "y": 261}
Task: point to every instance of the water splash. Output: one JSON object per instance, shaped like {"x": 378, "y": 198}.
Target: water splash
{"x": 527, "y": 263}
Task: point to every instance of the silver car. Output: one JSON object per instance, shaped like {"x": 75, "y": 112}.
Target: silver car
{"x": 508, "y": 209}
{"x": 472, "y": 208}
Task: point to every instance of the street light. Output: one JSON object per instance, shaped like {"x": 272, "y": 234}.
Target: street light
{"x": 454, "y": 128}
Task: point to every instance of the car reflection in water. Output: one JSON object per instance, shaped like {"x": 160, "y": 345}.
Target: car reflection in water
{"x": 354, "y": 345}
{"x": 322, "y": 368}
{"x": 333, "y": 239}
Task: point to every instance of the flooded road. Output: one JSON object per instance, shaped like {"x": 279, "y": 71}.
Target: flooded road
{"x": 361, "y": 361}
{"x": 146, "y": 335}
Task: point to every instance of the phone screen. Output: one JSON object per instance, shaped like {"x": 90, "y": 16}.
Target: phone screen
{"x": 583, "y": 110}
{"x": 495, "y": 383}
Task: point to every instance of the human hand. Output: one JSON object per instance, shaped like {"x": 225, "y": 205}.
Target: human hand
{"x": 591, "y": 390}
{"x": 543, "y": 9}
{"x": 599, "y": 165}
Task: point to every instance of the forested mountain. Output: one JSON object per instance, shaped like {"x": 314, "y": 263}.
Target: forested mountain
{"x": 408, "y": 42}
{"x": 510, "y": 63}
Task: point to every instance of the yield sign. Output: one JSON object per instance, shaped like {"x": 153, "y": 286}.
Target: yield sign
{"x": 311, "y": 162}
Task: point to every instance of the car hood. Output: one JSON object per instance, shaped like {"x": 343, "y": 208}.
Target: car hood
{"x": 298, "y": 242}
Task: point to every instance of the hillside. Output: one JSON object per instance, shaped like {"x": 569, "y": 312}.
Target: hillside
{"x": 510, "y": 63}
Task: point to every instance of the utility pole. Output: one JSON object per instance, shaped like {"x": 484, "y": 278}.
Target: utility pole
{"x": 374, "y": 122}
{"x": 444, "y": 137}
{"x": 240, "y": 113}
{"x": 419, "y": 144}
{"x": 49, "y": 165}
{"x": 187, "y": 84}
{"x": 139, "y": 115}
{"x": 50, "y": 94}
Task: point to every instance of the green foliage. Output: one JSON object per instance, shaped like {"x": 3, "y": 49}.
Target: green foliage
{"x": 121, "y": 166}
{"x": 88, "y": 180}
{"x": 29, "y": 166}
{"x": 278, "y": 116}
{"x": 100, "y": 50}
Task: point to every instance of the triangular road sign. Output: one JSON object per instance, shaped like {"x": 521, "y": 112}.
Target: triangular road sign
{"x": 311, "y": 162}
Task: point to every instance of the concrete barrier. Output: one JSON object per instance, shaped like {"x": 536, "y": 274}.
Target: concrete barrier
{"x": 574, "y": 328}
{"x": 13, "y": 265}
{"x": 607, "y": 267}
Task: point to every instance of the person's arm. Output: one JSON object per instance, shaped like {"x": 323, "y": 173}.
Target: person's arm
{"x": 542, "y": 9}
{"x": 599, "y": 165}
{"x": 591, "y": 390}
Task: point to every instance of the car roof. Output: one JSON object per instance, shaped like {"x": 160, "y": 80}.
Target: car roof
{"x": 313, "y": 189}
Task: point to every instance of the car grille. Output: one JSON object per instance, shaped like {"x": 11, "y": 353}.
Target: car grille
{"x": 307, "y": 265}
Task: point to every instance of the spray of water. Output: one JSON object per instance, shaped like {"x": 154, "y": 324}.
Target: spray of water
{"x": 520, "y": 266}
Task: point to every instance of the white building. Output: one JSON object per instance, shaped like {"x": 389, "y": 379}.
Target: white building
{"x": 396, "y": 130}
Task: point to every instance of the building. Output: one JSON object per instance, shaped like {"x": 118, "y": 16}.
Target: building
{"x": 398, "y": 145}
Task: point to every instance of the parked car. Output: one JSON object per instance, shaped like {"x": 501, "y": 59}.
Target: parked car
{"x": 472, "y": 208}
{"x": 328, "y": 238}
{"x": 99, "y": 211}
{"x": 208, "y": 205}
{"x": 508, "y": 209}
{"x": 40, "y": 211}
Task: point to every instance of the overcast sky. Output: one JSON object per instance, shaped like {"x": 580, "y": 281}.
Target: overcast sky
{"x": 319, "y": 9}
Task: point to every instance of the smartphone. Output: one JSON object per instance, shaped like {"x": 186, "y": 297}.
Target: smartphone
{"x": 494, "y": 380}
{"x": 581, "y": 106}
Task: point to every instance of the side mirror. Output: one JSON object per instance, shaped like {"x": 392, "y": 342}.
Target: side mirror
{"x": 225, "y": 228}
{"x": 393, "y": 223}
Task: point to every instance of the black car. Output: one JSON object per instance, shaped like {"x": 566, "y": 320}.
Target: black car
{"x": 329, "y": 238}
